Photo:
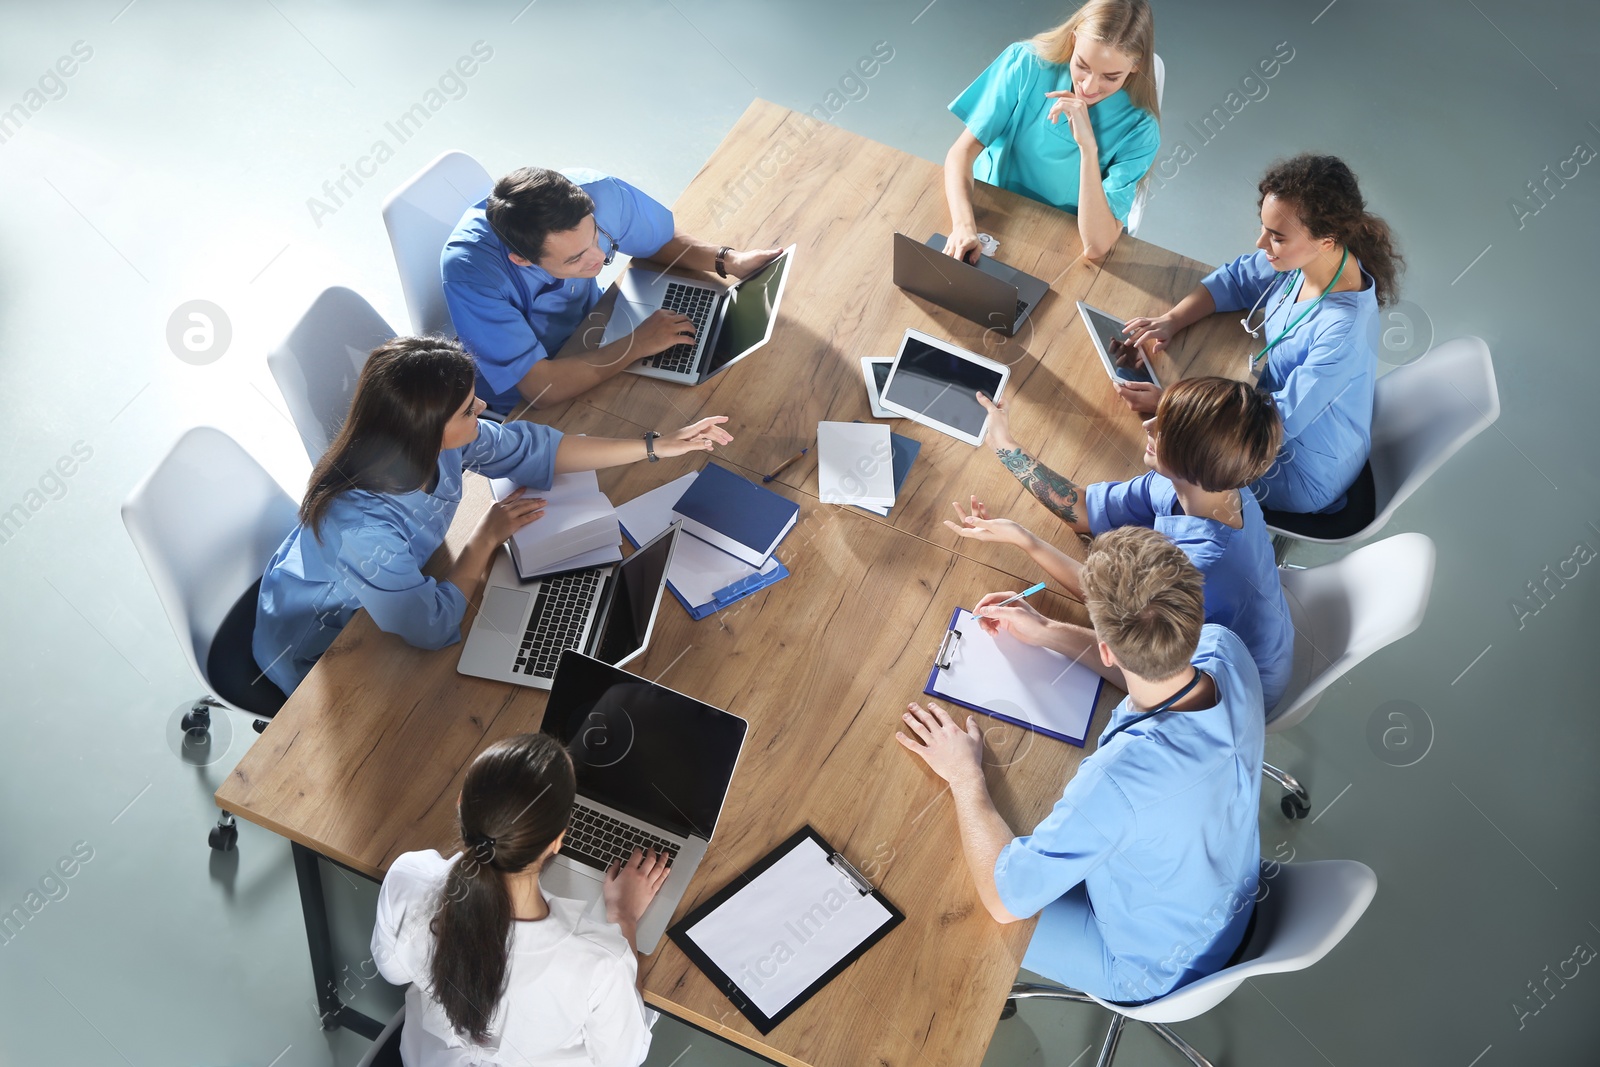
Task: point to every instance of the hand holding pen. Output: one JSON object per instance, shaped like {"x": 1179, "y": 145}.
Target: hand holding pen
{"x": 1008, "y": 612}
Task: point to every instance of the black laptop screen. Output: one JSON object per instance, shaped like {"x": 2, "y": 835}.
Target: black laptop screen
{"x": 748, "y": 320}
{"x": 641, "y": 748}
{"x": 638, "y": 588}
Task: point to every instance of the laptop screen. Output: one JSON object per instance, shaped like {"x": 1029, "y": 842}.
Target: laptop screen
{"x": 752, "y": 305}
{"x": 640, "y": 747}
{"x": 639, "y": 577}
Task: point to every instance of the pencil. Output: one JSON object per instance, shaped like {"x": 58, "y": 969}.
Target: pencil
{"x": 784, "y": 466}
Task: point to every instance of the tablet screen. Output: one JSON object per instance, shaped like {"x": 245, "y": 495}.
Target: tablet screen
{"x": 1108, "y": 331}
{"x": 940, "y": 385}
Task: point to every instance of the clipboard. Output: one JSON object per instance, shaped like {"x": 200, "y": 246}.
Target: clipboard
{"x": 724, "y": 932}
{"x": 1038, "y": 689}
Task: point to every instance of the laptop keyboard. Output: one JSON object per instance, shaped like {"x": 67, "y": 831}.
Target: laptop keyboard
{"x": 694, "y": 302}
{"x": 557, "y": 621}
{"x": 600, "y": 841}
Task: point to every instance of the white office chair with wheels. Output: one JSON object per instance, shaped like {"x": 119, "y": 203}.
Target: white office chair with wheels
{"x": 317, "y": 364}
{"x": 205, "y": 522}
{"x": 1422, "y": 414}
{"x": 1140, "y": 198}
{"x": 385, "y": 1050}
{"x": 1303, "y": 910}
{"x": 1343, "y": 612}
{"x": 420, "y": 216}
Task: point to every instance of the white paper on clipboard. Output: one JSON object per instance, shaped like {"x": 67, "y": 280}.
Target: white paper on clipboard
{"x": 1035, "y": 687}
{"x": 788, "y": 927}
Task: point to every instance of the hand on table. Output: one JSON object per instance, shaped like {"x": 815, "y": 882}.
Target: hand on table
{"x": 954, "y": 753}
{"x": 978, "y": 526}
{"x": 702, "y": 436}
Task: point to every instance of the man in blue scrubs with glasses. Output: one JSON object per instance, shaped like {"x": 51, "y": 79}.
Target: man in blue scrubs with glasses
{"x": 519, "y": 279}
{"x": 1144, "y": 875}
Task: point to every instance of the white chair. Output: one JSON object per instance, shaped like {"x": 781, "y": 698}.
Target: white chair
{"x": 420, "y": 216}
{"x": 1422, "y": 414}
{"x": 205, "y": 522}
{"x": 1343, "y": 612}
{"x": 1303, "y": 910}
{"x": 385, "y": 1050}
{"x": 1142, "y": 197}
{"x": 317, "y": 364}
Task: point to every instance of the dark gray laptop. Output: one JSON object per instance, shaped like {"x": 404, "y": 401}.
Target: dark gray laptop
{"x": 990, "y": 294}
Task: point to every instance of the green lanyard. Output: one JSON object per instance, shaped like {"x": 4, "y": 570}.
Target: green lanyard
{"x": 1302, "y": 316}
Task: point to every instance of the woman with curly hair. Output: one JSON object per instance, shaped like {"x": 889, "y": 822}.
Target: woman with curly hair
{"x": 1323, "y": 266}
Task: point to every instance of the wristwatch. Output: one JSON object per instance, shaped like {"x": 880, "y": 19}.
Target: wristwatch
{"x": 722, "y": 260}
{"x": 650, "y": 446}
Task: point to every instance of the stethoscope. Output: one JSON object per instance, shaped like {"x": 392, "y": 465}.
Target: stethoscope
{"x": 1157, "y": 710}
{"x": 1255, "y": 331}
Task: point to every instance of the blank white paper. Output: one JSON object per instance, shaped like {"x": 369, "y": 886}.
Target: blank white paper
{"x": 786, "y": 928}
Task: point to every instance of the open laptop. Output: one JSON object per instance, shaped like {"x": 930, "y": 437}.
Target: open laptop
{"x": 653, "y": 768}
{"x": 990, "y": 294}
{"x": 729, "y": 322}
{"x": 608, "y": 612}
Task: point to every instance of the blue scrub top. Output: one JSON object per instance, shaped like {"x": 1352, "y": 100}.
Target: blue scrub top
{"x": 1243, "y": 591}
{"x": 510, "y": 317}
{"x": 1007, "y": 111}
{"x": 1321, "y": 376}
{"x": 371, "y": 555}
{"x": 1159, "y": 826}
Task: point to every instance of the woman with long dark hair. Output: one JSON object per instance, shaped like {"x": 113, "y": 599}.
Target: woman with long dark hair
{"x": 381, "y": 499}
{"x": 1322, "y": 267}
{"x": 500, "y": 973}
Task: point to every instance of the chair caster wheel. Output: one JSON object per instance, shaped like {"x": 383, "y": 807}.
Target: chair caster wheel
{"x": 196, "y": 719}
{"x": 224, "y": 838}
{"x": 1293, "y": 807}
{"x": 1009, "y": 1010}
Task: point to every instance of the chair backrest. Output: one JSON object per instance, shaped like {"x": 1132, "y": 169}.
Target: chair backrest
{"x": 1423, "y": 413}
{"x": 317, "y": 364}
{"x": 1346, "y": 610}
{"x": 1140, "y": 198}
{"x": 385, "y": 1050}
{"x": 420, "y": 216}
{"x": 205, "y": 522}
{"x": 1302, "y": 911}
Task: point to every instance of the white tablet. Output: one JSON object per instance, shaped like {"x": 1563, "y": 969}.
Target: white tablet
{"x": 875, "y": 369}
{"x": 935, "y": 383}
{"x": 1106, "y": 333}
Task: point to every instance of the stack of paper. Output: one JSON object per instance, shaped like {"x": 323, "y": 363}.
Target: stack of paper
{"x": 855, "y": 464}
{"x": 703, "y": 578}
{"x": 579, "y": 527}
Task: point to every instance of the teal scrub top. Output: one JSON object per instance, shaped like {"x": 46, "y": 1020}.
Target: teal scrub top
{"x": 1006, "y": 109}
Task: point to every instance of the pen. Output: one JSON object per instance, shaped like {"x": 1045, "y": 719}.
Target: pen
{"x": 783, "y": 466}
{"x": 1032, "y": 589}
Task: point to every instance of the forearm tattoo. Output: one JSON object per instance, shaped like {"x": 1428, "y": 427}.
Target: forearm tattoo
{"x": 1049, "y": 488}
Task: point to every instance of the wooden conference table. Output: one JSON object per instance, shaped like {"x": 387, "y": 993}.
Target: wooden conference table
{"x": 365, "y": 760}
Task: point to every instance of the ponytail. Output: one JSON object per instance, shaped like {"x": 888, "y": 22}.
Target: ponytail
{"x": 515, "y": 803}
{"x": 1327, "y": 199}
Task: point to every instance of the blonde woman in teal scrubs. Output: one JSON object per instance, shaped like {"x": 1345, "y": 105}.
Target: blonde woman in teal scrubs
{"x": 1068, "y": 118}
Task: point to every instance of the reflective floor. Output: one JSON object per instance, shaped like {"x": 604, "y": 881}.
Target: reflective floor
{"x": 154, "y": 153}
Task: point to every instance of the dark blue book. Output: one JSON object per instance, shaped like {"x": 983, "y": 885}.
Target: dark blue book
{"x": 735, "y": 514}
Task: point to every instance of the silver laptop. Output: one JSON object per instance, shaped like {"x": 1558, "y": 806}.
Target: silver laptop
{"x": 729, "y": 322}
{"x": 608, "y": 612}
{"x": 653, "y": 768}
{"x": 990, "y": 293}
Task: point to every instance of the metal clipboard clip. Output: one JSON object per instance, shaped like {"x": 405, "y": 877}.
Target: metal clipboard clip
{"x": 947, "y": 647}
{"x": 846, "y": 868}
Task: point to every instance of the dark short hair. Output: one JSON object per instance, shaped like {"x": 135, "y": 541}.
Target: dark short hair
{"x": 1217, "y": 433}
{"x": 530, "y": 204}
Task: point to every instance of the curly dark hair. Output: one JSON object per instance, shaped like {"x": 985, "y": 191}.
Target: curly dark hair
{"x": 1326, "y": 198}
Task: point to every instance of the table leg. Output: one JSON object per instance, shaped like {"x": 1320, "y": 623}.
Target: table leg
{"x": 335, "y": 1013}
